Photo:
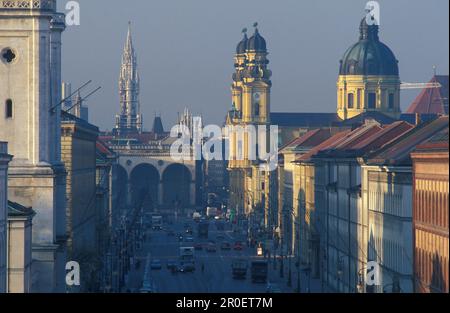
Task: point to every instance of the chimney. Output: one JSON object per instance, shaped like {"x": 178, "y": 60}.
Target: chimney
{"x": 418, "y": 121}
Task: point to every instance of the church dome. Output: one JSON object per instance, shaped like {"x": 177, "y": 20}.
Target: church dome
{"x": 242, "y": 45}
{"x": 369, "y": 56}
{"x": 257, "y": 42}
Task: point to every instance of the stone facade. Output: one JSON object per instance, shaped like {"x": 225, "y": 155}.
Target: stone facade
{"x": 78, "y": 152}
{"x": 30, "y": 42}
{"x": 4, "y": 160}
{"x": 19, "y": 248}
{"x": 431, "y": 215}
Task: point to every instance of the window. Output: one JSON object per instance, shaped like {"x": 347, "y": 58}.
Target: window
{"x": 358, "y": 99}
{"x": 256, "y": 109}
{"x": 391, "y": 101}
{"x": 372, "y": 100}
{"x": 8, "y": 55}
{"x": 9, "y": 108}
{"x": 350, "y": 103}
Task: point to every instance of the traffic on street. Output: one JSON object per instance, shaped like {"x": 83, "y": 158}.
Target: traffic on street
{"x": 202, "y": 255}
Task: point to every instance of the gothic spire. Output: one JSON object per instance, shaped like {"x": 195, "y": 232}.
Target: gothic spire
{"x": 129, "y": 118}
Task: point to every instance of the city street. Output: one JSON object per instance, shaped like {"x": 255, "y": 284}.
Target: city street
{"x": 217, "y": 274}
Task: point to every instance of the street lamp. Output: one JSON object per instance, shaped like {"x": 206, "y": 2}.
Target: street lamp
{"x": 340, "y": 271}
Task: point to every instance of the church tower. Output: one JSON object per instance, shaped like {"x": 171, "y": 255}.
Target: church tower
{"x": 30, "y": 94}
{"x": 251, "y": 107}
{"x": 130, "y": 118}
{"x": 368, "y": 77}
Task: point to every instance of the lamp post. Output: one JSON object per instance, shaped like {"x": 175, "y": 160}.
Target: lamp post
{"x": 340, "y": 271}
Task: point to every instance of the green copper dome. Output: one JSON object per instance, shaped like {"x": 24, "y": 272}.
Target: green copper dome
{"x": 369, "y": 56}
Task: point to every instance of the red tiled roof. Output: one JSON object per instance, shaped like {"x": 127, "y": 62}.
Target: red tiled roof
{"x": 438, "y": 142}
{"x": 309, "y": 139}
{"x": 384, "y": 136}
{"x": 398, "y": 151}
{"x": 432, "y": 100}
{"x": 365, "y": 139}
{"x": 327, "y": 144}
{"x": 358, "y": 135}
{"x": 103, "y": 148}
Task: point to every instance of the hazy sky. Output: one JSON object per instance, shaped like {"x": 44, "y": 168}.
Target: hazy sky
{"x": 185, "y": 50}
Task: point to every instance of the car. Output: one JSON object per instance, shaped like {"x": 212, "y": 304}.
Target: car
{"x": 186, "y": 267}
{"x": 238, "y": 246}
{"x": 180, "y": 237}
{"x": 171, "y": 264}
{"x": 175, "y": 269}
{"x": 198, "y": 246}
{"x": 189, "y": 231}
{"x": 155, "y": 264}
{"x": 189, "y": 239}
{"x": 211, "y": 247}
{"x": 225, "y": 246}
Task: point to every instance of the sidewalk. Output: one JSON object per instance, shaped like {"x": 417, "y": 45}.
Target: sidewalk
{"x": 134, "y": 277}
{"x": 307, "y": 284}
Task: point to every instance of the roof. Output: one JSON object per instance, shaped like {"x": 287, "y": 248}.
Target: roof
{"x": 437, "y": 143}
{"x": 382, "y": 137}
{"x": 424, "y": 117}
{"x": 290, "y": 119}
{"x": 67, "y": 117}
{"x": 138, "y": 138}
{"x": 18, "y": 210}
{"x": 397, "y": 152}
{"x": 369, "y": 56}
{"x": 242, "y": 45}
{"x": 310, "y": 120}
{"x": 368, "y": 115}
{"x": 365, "y": 139}
{"x": 327, "y": 144}
{"x": 307, "y": 140}
{"x": 157, "y": 126}
{"x": 432, "y": 100}
{"x": 103, "y": 152}
{"x": 256, "y": 42}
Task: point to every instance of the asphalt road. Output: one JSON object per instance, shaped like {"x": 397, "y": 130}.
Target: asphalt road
{"x": 217, "y": 275}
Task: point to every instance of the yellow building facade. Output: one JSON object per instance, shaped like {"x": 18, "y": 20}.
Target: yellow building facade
{"x": 251, "y": 108}
{"x": 368, "y": 77}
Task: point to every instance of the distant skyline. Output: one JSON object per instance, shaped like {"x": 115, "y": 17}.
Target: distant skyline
{"x": 185, "y": 50}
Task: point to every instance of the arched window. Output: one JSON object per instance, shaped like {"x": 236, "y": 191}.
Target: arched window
{"x": 351, "y": 101}
{"x": 9, "y": 108}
